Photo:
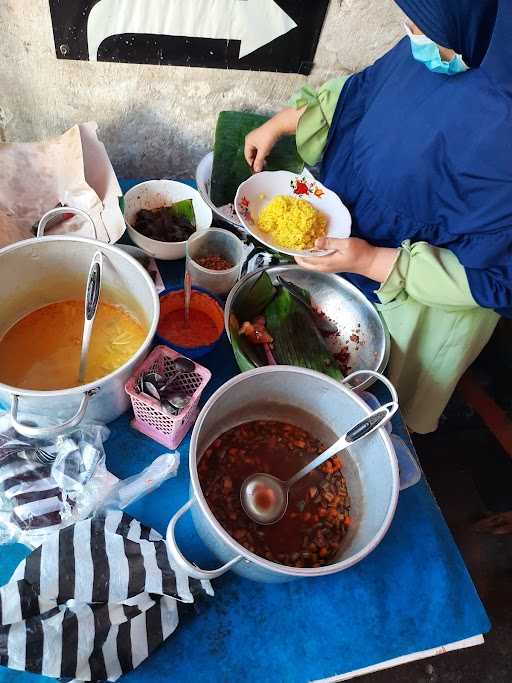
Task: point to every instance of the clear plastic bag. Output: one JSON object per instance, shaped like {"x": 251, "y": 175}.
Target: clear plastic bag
{"x": 48, "y": 485}
{"x": 127, "y": 491}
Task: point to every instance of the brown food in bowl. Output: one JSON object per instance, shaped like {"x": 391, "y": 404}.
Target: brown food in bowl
{"x": 163, "y": 225}
{"x": 214, "y": 262}
{"x": 318, "y": 515}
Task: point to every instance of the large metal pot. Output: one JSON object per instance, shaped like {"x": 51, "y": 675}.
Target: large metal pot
{"x": 37, "y": 272}
{"x": 327, "y": 409}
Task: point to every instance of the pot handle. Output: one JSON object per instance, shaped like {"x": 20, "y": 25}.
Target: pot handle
{"x": 51, "y": 431}
{"x": 62, "y": 210}
{"x": 382, "y": 378}
{"x": 180, "y": 561}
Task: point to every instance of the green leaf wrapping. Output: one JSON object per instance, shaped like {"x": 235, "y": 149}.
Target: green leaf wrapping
{"x": 230, "y": 168}
{"x": 297, "y": 340}
{"x": 254, "y": 301}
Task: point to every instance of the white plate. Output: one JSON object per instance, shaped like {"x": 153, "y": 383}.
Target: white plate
{"x": 154, "y": 194}
{"x": 254, "y": 194}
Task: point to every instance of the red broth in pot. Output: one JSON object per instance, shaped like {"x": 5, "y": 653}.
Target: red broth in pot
{"x": 318, "y": 515}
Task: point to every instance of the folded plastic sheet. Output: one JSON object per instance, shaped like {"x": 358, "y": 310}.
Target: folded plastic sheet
{"x": 46, "y": 485}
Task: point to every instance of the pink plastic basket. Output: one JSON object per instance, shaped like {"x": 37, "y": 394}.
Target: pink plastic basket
{"x": 150, "y": 419}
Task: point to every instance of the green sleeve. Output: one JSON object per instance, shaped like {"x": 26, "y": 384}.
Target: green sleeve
{"x": 431, "y": 276}
{"x": 316, "y": 120}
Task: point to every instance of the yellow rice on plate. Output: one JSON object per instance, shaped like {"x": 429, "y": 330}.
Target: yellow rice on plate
{"x": 292, "y": 223}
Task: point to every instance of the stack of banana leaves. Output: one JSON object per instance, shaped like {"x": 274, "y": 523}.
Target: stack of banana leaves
{"x": 276, "y": 325}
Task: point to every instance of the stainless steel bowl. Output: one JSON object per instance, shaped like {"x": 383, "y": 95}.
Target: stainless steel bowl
{"x": 360, "y": 327}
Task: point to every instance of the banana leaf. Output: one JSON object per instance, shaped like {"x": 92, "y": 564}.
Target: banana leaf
{"x": 230, "y": 168}
{"x": 254, "y": 301}
{"x": 297, "y": 340}
{"x": 294, "y": 289}
{"x": 185, "y": 209}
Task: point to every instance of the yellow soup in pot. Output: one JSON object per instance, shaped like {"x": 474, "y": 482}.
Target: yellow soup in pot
{"x": 42, "y": 350}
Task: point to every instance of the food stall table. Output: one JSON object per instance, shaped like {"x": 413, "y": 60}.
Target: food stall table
{"x": 411, "y": 598}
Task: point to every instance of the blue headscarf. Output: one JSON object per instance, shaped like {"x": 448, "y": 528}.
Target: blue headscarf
{"x": 428, "y": 157}
{"x": 465, "y": 26}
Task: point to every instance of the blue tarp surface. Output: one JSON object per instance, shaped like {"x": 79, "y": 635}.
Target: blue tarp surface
{"x": 411, "y": 594}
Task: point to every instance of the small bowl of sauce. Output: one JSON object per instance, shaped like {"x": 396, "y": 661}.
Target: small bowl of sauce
{"x": 205, "y": 326}
{"x": 214, "y": 260}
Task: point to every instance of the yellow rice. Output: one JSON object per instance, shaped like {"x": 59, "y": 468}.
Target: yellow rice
{"x": 292, "y": 223}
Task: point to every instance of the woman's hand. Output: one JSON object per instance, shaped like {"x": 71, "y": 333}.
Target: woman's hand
{"x": 352, "y": 255}
{"x": 260, "y": 142}
{"x": 258, "y": 145}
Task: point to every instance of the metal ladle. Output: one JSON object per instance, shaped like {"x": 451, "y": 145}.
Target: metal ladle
{"x": 264, "y": 497}
{"x": 92, "y": 295}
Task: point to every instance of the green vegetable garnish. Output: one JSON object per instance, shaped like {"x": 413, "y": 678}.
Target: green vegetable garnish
{"x": 185, "y": 209}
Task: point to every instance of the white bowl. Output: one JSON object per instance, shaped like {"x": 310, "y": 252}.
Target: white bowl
{"x": 256, "y": 192}
{"x": 154, "y": 194}
{"x": 226, "y": 214}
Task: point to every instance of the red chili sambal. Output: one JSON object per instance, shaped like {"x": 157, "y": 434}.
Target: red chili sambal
{"x": 312, "y": 530}
{"x": 205, "y": 324}
{"x": 200, "y": 331}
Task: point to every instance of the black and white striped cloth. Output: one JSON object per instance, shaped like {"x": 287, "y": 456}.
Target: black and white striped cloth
{"x": 93, "y": 601}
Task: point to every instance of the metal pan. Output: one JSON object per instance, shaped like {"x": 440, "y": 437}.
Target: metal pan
{"x": 360, "y": 327}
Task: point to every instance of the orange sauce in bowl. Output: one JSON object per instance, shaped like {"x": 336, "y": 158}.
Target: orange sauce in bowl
{"x": 200, "y": 331}
{"x": 205, "y": 324}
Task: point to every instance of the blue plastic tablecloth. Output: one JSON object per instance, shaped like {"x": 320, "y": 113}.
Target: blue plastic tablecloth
{"x": 413, "y": 593}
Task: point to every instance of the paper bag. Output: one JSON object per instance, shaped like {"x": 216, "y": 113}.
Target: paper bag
{"x": 73, "y": 170}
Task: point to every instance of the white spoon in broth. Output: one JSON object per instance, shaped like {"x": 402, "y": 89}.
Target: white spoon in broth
{"x": 264, "y": 497}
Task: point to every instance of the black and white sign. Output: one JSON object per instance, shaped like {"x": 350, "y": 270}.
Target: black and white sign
{"x": 259, "y": 35}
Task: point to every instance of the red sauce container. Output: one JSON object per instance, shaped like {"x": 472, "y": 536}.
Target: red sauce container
{"x": 206, "y": 323}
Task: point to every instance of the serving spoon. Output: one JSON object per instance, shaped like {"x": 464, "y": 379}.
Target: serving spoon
{"x": 177, "y": 399}
{"x": 187, "y": 288}
{"x": 92, "y": 296}
{"x": 264, "y": 497}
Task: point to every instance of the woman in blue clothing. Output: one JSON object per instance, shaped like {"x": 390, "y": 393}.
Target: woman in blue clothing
{"x": 419, "y": 147}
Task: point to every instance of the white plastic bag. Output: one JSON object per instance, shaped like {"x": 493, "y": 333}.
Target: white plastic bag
{"x": 47, "y": 485}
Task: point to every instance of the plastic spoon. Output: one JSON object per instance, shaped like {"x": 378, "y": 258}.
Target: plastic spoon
{"x": 264, "y": 498}
{"x": 92, "y": 295}
{"x": 188, "y": 295}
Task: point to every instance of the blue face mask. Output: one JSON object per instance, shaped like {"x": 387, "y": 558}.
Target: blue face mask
{"x": 426, "y": 51}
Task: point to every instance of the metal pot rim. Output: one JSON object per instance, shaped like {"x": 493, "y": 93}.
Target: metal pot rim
{"x": 83, "y": 388}
{"x": 249, "y": 557}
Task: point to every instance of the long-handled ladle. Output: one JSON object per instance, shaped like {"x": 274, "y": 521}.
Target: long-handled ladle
{"x": 187, "y": 290}
{"x": 265, "y": 497}
{"x": 92, "y": 295}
